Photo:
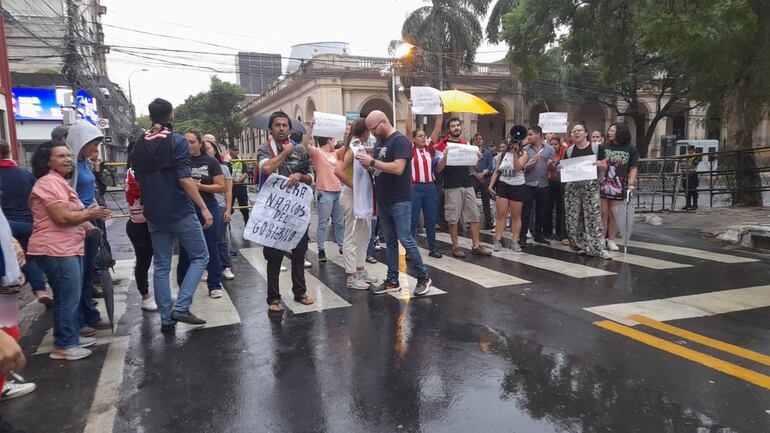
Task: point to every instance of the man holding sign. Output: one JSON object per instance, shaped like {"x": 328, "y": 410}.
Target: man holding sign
{"x": 459, "y": 195}
{"x": 291, "y": 160}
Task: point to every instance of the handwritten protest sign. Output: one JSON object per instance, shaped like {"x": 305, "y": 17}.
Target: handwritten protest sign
{"x": 426, "y": 100}
{"x": 580, "y": 168}
{"x": 329, "y": 125}
{"x": 462, "y": 154}
{"x": 281, "y": 214}
{"x": 553, "y": 122}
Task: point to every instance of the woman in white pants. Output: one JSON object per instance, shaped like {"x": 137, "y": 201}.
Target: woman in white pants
{"x": 357, "y": 202}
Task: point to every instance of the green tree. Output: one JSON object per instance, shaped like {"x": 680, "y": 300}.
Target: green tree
{"x": 495, "y": 20}
{"x": 593, "y": 50}
{"x": 216, "y": 111}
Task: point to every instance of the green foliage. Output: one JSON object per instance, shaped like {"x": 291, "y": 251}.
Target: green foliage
{"x": 216, "y": 111}
{"x": 495, "y": 21}
{"x": 144, "y": 122}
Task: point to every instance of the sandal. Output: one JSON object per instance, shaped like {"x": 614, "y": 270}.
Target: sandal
{"x": 305, "y": 300}
{"x": 275, "y": 307}
{"x": 371, "y": 259}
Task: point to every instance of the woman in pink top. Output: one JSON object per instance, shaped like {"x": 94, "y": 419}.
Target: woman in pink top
{"x": 59, "y": 227}
{"x": 329, "y": 187}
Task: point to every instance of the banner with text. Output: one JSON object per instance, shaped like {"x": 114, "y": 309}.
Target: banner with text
{"x": 281, "y": 214}
{"x": 426, "y": 101}
{"x": 576, "y": 169}
{"x": 329, "y": 125}
{"x": 462, "y": 154}
{"x": 553, "y": 122}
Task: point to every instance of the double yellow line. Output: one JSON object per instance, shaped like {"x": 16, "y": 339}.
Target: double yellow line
{"x": 729, "y": 368}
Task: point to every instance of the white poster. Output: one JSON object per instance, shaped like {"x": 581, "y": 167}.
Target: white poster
{"x": 426, "y": 101}
{"x": 281, "y": 214}
{"x": 580, "y": 168}
{"x": 462, "y": 154}
{"x": 553, "y": 122}
{"x": 329, "y": 125}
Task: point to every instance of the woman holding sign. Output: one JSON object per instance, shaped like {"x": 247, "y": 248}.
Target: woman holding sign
{"x": 324, "y": 159}
{"x": 510, "y": 193}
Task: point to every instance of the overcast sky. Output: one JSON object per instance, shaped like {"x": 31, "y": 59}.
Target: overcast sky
{"x": 224, "y": 27}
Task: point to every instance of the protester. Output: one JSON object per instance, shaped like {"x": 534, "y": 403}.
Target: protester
{"x": 542, "y": 160}
{"x": 207, "y": 175}
{"x": 16, "y": 184}
{"x": 393, "y": 179}
{"x": 328, "y": 189}
{"x": 60, "y": 225}
{"x": 459, "y": 195}
{"x": 690, "y": 178}
{"x": 357, "y": 202}
{"x": 291, "y": 160}
{"x": 582, "y": 207}
{"x": 225, "y": 203}
{"x": 424, "y": 181}
{"x": 240, "y": 171}
{"x": 59, "y": 134}
{"x": 597, "y": 137}
{"x": 83, "y": 139}
{"x": 481, "y": 177}
{"x": 161, "y": 163}
{"x": 138, "y": 233}
{"x": 555, "y": 225}
{"x": 508, "y": 188}
{"x": 620, "y": 159}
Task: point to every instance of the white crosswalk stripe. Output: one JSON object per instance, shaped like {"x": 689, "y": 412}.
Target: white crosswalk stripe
{"x": 569, "y": 269}
{"x": 691, "y": 252}
{"x": 325, "y": 298}
{"x": 380, "y": 270}
{"x": 631, "y": 259}
{"x": 478, "y": 274}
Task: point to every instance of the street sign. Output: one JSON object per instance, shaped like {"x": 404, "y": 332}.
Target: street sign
{"x": 103, "y": 123}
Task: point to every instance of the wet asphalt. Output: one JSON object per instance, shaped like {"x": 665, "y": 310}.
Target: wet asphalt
{"x": 520, "y": 358}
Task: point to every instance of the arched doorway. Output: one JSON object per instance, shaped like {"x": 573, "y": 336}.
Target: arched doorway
{"x": 309, "y": 109}
{"x": 492, "y": 126}
{"x": 377, "y": 104}
{"x": 593, "y": 116}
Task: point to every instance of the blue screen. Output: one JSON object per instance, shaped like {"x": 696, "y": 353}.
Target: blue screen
{"x": 46, "y": 104}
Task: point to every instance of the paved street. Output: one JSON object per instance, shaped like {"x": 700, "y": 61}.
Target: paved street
{"x": 669, "y": 338}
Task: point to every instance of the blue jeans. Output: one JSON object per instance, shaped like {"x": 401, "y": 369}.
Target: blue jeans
{"x": 89, "y": 315}
{"x": 373, "y": 239}
{"x": 211, "y": 235}
{"x": 396, "y": 227}
{"x": 329, "y": 206}
{"x": 424, "y": 199}
{"x": 22, "y": 230}
{"x": 190, "y": 236}
{"x": 65, "y": 275}
{"x": 223, "y": 242}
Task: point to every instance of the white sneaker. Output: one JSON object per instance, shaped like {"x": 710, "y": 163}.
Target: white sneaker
{"x": 12, "y": 389}
{"x": 606, "y": 255}
{"x": 377, "y": 246}
{"x": 357, "y": 283}
{"x": 216, "y": 293}
{"x": 228, "y": 274}
{"x": 365, "y": 276}
{"x": 87, "y": 341}
{"x": 612, "y": 246}
{"x": 149, "y": 304}
{"x": 284, "y": 269}
{"x": 71, "y": 354}
{"x": 308, "y": 264}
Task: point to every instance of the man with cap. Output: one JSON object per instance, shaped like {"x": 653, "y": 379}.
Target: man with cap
{"x": 240, "y": 171}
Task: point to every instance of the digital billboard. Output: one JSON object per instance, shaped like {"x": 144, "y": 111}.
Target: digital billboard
{"x": 46, "y": 104}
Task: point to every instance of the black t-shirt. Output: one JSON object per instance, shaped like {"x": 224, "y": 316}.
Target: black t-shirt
{"x": 390, "y": 188}
{"x": 578, "y": 152}
{"x": 458, "y": 176}
{"x": 204, "y": 168}
{"x": 620, "y": 159}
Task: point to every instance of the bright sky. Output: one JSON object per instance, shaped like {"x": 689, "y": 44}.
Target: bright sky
{"x": 225, "y": 27}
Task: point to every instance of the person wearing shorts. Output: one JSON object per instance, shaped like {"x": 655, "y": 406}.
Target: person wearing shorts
{"x": 508, "y": 188}
{"x": 619, "y": 159}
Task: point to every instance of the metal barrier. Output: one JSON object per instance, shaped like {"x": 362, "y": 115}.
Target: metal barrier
{"x": 729, "y": 173}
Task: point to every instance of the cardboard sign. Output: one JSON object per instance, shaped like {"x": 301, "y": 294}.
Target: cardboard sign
{"x": 553, "y": 122}
{"x": 462, "y": 154}
{"x": 329, "y": 125}
{"x": 426, "y": 100}
{"x": 576, "y": 169}
{"x": 281, "y": 214}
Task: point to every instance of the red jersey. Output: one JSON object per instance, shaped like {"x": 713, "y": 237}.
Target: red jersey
{"x": 422, "y": 166}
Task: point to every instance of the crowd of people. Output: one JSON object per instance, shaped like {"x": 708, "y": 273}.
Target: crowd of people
{"x": 377, "y": 182}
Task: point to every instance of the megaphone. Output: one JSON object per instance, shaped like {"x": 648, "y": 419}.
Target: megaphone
{"x": 518, "y": 132}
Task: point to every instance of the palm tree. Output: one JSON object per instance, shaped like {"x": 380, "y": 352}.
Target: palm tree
{"x": 448, "y": 34}
{"x": 495, "y": 23}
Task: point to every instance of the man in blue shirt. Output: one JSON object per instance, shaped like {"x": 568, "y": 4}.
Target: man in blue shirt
{"x": 481, "y": 176}
{"x": 161, "y": 163}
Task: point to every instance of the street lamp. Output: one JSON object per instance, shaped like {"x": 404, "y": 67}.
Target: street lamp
{"x": 402, "y": 51}
{"x": 130, "y": 97}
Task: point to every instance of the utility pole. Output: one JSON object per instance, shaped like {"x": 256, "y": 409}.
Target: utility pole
{"x": 72, "y": 59}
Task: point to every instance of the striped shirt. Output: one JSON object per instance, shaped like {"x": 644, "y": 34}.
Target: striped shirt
{"x": 422, "y": 169}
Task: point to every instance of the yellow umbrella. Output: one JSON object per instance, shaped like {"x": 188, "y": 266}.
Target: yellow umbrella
{"x": 464, "y": 102}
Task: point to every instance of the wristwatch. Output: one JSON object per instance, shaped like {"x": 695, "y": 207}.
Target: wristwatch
{"x": 371, "y": 164}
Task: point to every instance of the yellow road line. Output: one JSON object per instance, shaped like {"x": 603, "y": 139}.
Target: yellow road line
{"x": 701, "y": 339}
{"x": 689, "y": 354}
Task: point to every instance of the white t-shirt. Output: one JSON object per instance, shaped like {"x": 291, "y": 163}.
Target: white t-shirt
{"x": 508, "y": 174}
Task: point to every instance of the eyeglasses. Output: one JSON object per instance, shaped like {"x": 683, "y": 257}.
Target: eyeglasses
{"x": 371, "y": 130}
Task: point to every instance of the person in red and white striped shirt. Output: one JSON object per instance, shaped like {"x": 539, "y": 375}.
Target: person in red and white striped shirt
{"x": 424, "y": 196}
